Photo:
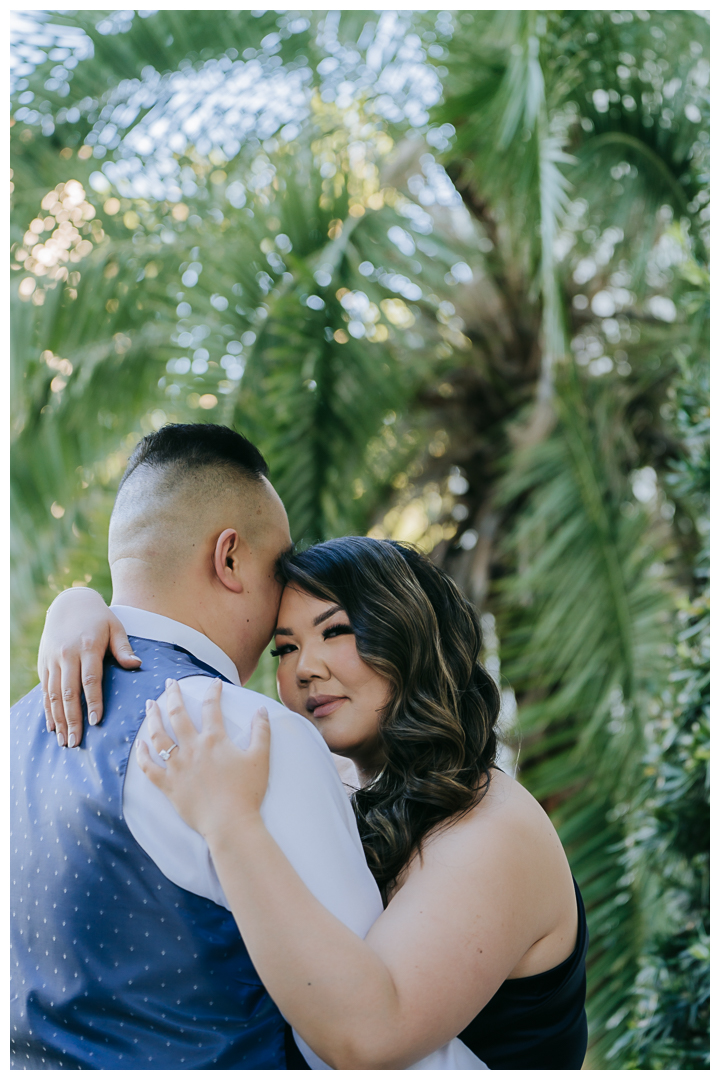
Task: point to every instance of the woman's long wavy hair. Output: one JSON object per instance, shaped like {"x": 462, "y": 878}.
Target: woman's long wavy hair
{"x": 412, "y": 626}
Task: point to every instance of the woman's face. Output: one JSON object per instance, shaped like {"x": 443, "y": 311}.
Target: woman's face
{"x": 321, "y": 676}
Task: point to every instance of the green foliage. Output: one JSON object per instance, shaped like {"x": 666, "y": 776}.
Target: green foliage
{"x": 548, "y": 106}
{"x": 298, "y": 378}
{"x": 666, "y": 1026}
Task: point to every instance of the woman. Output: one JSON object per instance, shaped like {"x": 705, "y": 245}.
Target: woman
{"x": 483, "y": 933}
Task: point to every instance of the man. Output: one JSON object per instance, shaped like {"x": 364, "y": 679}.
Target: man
{"x": 124, "y": 952}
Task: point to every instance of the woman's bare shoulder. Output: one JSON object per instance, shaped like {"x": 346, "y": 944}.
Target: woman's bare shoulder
{"x": 507, "y": 834}
{"x": 502, "y": 860}
{"x": 504, "y": 807}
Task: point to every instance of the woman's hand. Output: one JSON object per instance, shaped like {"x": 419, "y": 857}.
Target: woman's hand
{"x": 209, "y": 780}
{"x": 79, "y": 630}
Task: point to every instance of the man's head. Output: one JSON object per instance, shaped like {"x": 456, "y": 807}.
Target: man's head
{"x": 195, "y": 534}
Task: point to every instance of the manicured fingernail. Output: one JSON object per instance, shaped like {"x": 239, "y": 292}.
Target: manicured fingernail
{"x": 134, "y": 657}
{"x": 48, "y": 725}
{"x": 71, "y": 740}
{"x": 93, "y": 718}
{"x": 60, "y": 738}
{"x": 168, "y": 683}
{"x": 148, "y": 705}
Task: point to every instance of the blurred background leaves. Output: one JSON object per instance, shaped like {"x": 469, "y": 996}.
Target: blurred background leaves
{"x": 449, "y": 270}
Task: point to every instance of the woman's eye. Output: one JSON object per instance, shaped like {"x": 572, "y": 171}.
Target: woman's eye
{"x": 283, "y": 650}
{"x": 337, "y": 630}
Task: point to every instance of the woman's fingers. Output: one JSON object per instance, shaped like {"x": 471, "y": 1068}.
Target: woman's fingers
{"x": 82, "y": 670}
{"x": 260, "y": 733}
{"x": 91, "y": 668}
{"x": 155, "y": 727}
{"x": 258, "y": 760}
{"x": 182, "y": 726}
{"x": 180, "y": 721}
{"x": 72, "y": 707}
{"x": 154, "y": 718}
{"x": 54, "y": 694}
{"x": 152, "y": 771}
{"x": 44, "y": 678}
{"x": 212, "y": 719}
{"x": 49, "y": 722}
{"x": 120, "y": 647}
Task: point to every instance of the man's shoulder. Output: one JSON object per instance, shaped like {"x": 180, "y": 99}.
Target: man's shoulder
{"x": 160, "y": 660}
{"x": 240, "y": 704}
{"x": 280, "y": 716}
{"x": 255, "y": 700}
{"x": 196, "y": 686}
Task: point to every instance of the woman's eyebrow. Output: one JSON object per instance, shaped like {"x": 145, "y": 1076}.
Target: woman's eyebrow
{"x": 316, "y": 622}
{"x": 327, "y": 614}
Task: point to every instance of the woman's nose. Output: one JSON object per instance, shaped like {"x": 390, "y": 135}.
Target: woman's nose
{"x": 310, "y": 666}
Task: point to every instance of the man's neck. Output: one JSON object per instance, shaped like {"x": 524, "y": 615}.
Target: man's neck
{"x": 155, "y": 601}
{"x": 187, "y": 608}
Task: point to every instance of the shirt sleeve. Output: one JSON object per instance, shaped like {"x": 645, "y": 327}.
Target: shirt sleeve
{"x": 305, "y": 810}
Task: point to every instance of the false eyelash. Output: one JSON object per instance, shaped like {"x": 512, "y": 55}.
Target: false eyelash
{"x": 335, "y": 631}
{"x": 338, "y": 628}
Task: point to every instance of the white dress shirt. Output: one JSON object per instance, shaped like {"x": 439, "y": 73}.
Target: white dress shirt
{"x": 306, "y": 809}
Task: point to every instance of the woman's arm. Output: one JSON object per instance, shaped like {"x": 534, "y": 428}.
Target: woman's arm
{"x": 447, "y": 940}
{"x": 79, "y": 630}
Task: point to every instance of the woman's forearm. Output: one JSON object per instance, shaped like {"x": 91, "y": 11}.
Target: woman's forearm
{"x": 328, "y": 983}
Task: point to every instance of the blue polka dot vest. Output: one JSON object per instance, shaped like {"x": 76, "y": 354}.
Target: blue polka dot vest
{"x": 113, "y": 966}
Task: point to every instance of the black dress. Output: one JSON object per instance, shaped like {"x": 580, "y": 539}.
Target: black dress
{"x": 537, "y": 1022}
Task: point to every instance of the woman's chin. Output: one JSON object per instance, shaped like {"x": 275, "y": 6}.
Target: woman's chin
{"x": 335, "y": 743}
{"x": 334, "y": 740}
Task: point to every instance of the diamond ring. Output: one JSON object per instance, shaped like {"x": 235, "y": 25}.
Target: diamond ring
{"x": 165, "y": 754}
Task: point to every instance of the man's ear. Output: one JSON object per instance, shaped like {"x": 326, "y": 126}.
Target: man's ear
{"x": 227, "y": 559}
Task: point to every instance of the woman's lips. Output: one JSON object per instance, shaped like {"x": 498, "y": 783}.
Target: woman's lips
{"x": 323, "y": 705}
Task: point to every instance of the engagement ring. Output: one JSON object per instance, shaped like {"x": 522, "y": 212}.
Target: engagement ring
{"x": 165, "y": 754}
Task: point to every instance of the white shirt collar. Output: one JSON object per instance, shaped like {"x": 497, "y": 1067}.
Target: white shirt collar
{"x": 147, "y": 624}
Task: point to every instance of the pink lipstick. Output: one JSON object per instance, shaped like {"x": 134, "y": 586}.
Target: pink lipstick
{"x": 323, "y": 704}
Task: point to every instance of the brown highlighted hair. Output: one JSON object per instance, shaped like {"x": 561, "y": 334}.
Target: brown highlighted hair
{"x": 413, "y": 626}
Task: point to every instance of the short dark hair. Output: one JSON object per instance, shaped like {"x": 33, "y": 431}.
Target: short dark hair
{"x": 197, "y": 446}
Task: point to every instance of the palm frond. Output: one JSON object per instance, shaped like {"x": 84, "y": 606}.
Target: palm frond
{"x": 118, "y": 330}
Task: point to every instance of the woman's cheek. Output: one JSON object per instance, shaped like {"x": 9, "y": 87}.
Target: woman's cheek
{"x": 347, "y": 664}
{"x": 285, "y": 686}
